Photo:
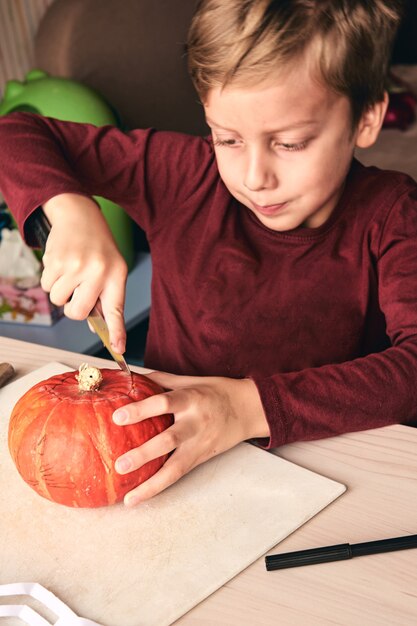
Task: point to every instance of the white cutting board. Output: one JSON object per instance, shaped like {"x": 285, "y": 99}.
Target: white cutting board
{"x": 149, "y": 565}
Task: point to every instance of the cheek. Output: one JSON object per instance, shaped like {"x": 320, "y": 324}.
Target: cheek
{"x": 329, "y": 165}
{"x": 228, "y": 167}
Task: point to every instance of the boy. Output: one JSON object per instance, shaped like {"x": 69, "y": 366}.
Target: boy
{"x": 284, "y": 295}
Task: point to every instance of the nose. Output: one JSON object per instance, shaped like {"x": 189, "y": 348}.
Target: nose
{"x": 259, "y": 172}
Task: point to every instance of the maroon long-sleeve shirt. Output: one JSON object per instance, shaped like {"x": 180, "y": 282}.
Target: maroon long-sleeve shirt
{"x": 323, "y": 319}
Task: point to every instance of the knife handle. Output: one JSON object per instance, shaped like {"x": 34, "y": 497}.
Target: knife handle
{"x": 6, "y": 372}
{"x": 39, "y": 224}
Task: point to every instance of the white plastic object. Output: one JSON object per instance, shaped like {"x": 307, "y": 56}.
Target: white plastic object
{"x": 66, "y": 617}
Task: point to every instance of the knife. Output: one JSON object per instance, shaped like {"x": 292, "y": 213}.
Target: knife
{"x": 39, "y": 224}
{"x": 6, "y": 372}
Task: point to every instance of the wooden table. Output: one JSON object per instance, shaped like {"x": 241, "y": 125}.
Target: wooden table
{"x": 379, "y": 468}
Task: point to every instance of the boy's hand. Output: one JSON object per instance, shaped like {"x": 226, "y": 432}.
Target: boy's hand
{"x": 82, "y": 264}
{"x": 212, "y": 414}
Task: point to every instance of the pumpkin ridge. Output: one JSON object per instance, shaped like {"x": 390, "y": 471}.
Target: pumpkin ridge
{"x": 21, "y": 417}
{"x": 103, "y": 453}
{"x": 21, "y": 412}
{"x": 41, "y": 441}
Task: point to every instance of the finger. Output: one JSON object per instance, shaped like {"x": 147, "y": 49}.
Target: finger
{"x": 60, "y": 292}
{"x": 159, "y": 404}
{"x": 82, "y": 301}
{"x": 48, "y": 278}
{"x": 169, "y": 473}
{"x": 158, "y": 446}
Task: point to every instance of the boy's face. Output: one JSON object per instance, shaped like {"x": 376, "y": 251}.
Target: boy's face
{"x": 283, "y": 149}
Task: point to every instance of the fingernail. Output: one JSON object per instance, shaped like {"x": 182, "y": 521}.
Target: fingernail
{"x": 123, "y": 465}
{"x": 120, "y": 417}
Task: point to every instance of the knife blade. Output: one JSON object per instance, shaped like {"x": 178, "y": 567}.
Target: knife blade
{"x": 40, "y": 226}
{"x": 99, "y": 324}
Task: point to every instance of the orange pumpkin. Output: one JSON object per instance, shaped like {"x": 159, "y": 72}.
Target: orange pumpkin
{"x": 64, "y": 442}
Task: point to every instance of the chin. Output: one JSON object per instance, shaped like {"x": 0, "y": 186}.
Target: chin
{"x": 278, "y": 222}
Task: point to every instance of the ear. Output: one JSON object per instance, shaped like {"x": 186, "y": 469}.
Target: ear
{"x": 371, "y": 122}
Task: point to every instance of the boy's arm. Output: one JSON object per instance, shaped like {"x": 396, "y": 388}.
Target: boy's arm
{"x": 51, "y": 165}
{"x": 370, "y": 392}
{"x": 42, "y": 158}
{"x": 144, "y": 171}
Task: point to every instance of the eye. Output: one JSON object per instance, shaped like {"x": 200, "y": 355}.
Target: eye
{"x": 293, "y": 147}
{"x": 226, "y": 142}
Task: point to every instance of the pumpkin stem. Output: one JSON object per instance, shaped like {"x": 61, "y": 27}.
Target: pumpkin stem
{"x": 89, "y": 377}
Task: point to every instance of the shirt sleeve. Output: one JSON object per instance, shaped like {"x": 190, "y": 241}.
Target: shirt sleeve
{"x": 371, "y": 391}
{"x": 147, "y": 172}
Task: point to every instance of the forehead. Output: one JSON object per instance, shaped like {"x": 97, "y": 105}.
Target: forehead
{"x": 290, "y": 99}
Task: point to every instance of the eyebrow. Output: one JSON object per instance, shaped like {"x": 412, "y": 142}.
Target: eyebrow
{"x": 301, "y": 124}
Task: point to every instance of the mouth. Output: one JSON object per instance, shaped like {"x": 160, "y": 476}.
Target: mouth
{"x": 271, "y": 209}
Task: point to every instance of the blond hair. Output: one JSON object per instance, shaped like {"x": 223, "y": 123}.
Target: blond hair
{"x": 245, "y": 41}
